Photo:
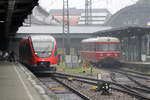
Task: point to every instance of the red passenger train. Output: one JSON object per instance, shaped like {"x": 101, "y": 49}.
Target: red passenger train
{"x": 39, "y": 52}
{"x": 101, "y": 50}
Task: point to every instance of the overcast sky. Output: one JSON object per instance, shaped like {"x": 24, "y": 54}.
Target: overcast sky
{"x": 112, "y": 5}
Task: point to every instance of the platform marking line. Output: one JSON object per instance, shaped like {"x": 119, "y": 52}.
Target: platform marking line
{"x": 25, "y": 87}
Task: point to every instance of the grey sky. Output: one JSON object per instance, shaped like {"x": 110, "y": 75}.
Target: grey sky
{"x": 111, "y": 5}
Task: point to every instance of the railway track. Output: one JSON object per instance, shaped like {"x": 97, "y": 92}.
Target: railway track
{"x": 134, "y": 74}
{"x": 57, "y": 91}
{"x": 92, "y": 81}
{"x": 133, "y": 81}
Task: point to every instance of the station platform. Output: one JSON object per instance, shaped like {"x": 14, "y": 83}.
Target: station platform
{"x": 15, "y": 84}
{"x": 138, "y": 65}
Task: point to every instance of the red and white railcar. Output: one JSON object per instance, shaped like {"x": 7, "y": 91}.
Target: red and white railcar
{"x": 101, "y": 50}
{"x": 39, "y": 52}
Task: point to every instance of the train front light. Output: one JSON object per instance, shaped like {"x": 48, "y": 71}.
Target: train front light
{"x": 116, "y": 54}
{"x": 49, "y": 53}
{"x": 36, "y": 53}
{"x": 101, "y": 54}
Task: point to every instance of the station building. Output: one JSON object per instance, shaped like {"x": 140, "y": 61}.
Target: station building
{"x": 132, "y": 26}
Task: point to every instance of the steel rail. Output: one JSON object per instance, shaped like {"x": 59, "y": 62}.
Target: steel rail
{"x": 85, "y": 97}
{"x": 62, "y": 75}
{"x": 124, "y": 72}
{"x": 136, "y": 72}
{"x": 136, "y": 82}
{"x": 130, "y": 91}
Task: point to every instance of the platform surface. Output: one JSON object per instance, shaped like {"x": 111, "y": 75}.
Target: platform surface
{"x": 14, "y": 84}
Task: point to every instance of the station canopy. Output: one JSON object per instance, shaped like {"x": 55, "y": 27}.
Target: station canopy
{"x": 126, "y": 31}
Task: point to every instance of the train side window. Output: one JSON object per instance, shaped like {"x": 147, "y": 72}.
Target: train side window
{"x": 94, "y": 47}
{"x": 28, "y": 50}
{"x": 55, "y": 52}
{"x": 20, "y": 51}
{"x": 83, "y": 46}
{"x": 89, "y": 47}
{"x": 24, "y": 50}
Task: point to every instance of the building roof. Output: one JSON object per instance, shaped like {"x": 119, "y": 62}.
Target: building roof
{"x": 40, "y": 17}
{"x": 100, "y": 39}
{"x": 127, "y": 31}
{"x": 58, "y": 29}
{"x": 54, "y": 17}
{"x": 137, "y": 14}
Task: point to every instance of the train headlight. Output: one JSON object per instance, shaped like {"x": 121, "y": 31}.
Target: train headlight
{"x": 36, "y": 53}
{"x": 116, "y": 54}
{"x": 101, "y": 54}
{"x": 49, "y": 53}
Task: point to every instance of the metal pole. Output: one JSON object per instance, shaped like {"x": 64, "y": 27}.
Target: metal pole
{"x": 63, "y": 15}
{"x": 66, "y": 25}
{"x": 68, "y": 35}
{"x": 66, "y": 31}
{"x": 11, "y": 4}
{"x": 88, "y": 12}
{"x": 63, "y": 30}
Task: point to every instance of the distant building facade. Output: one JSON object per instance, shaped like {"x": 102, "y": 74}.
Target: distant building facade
{"x": 77, "y": 16}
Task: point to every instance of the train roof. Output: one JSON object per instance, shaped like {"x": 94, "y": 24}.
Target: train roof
{"x": 101, "y": 39}
{"x": 42, "y": 37}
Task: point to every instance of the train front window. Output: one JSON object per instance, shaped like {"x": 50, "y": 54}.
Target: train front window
{"x": 42, "y": 48}
{"x": 108, "y": 47}
{"x": 114, "y": 47}
{"x": 102, "y": 47}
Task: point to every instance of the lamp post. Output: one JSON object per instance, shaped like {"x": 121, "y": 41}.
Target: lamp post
{"x": 66, "y": 30}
